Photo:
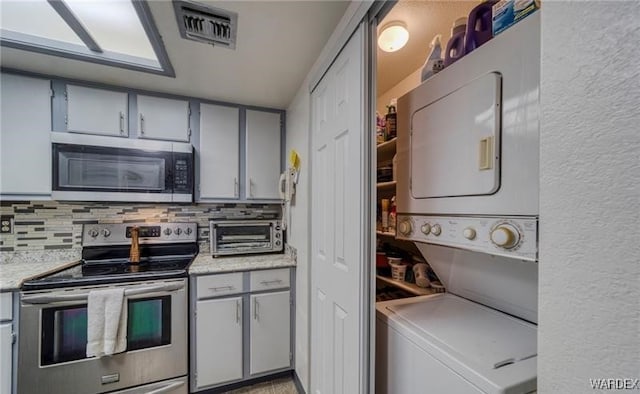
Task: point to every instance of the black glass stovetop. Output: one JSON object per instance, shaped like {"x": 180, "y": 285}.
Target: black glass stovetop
{"x": 113, "y": 270}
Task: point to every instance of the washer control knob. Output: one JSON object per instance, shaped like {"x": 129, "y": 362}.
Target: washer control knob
{"x": 436, "y": 230}
{"x": 178, "y": 231}
{"x": 469, "y": 233}
{"x": 93, "y": 233}
{"x": 167, "y": 231}
{"x": 505, "y": 236}
{"x": 188, "y": 230}
{"x": 426, "y": 229}
{"x": 405, "y": 227}
{"x": 106, "y": 232}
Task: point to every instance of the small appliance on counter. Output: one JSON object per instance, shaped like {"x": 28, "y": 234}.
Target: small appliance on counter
{"x": 53, "y": 328}
{"x": 236, "y": 237}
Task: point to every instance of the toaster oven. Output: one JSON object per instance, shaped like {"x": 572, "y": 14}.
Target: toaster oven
{"x": 231, "y": 237}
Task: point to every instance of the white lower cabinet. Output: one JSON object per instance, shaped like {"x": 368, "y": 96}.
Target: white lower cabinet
{"x": 239, "y": 336}
{"x": 270, "y": 338}
{"x": 219, "y": 333}
{"x": 6, "y": 340}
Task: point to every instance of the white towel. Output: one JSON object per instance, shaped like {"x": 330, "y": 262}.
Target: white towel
{"x": 106, "y": 322}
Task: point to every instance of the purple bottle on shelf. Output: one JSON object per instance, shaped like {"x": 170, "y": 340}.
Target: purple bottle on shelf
{"x": 479, "y": 28}
{"x": 455, "y": 47}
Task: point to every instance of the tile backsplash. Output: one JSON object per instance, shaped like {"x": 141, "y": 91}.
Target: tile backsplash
{"x": 40, "y": 225}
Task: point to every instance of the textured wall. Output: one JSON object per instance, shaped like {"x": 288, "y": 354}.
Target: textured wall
{"x": 589, "y": 322}
{"x": 410, "y": 82}
{"x": 51, "y": 225}
{"x": 298, "y": 138}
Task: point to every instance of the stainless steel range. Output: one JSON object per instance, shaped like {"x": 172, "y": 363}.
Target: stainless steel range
{"x": 53, "y": 314}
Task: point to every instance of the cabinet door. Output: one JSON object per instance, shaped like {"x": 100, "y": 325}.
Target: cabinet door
{"x": 219, "y": 151}
{"x": 25, "y": 140}
{"x": 5, "y": 358}
{"x": 270, "y": 340}
{"x": 97, "y": 111}
{"x": 263, "y": 155}
{"x": 163, "y": 119}
{"x": 218, "y": 341}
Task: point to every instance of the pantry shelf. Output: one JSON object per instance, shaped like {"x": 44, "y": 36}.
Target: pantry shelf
{"x": 410, "y": 287}
{"x": 386, "y": 150}
{"x": 386, "y": 185}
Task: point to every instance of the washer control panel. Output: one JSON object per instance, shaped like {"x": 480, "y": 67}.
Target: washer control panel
{"x": 515, "y": 237}
{"x": 149, "y": 233}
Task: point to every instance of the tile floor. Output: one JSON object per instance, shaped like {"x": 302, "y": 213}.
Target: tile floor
{"x": 279, "y": 386}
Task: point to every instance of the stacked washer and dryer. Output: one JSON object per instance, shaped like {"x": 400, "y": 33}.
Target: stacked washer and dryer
{"x": 468, "y": 197}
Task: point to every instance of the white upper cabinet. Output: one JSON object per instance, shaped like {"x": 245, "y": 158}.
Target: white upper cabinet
{"x": 262, "y": 154}
{"x": 163, "y": 119}
{"x": 270, "y": 340}
{"x": 219, "y": 152}
{"x": 97, "y": 111}
{"x": 25, "y": 141}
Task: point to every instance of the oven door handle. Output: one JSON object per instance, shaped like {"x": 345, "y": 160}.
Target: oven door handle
{"x": 47, "y": 299}
{"x": 166, "y": 388}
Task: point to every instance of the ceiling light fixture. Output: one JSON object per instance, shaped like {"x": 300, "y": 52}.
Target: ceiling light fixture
{"x": 394, "y": 36}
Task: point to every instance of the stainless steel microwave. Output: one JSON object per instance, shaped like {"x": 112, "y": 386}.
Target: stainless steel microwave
{"x": 97, "y": 168}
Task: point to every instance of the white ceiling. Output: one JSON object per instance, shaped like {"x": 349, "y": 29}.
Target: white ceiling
{"x": 424, "y": 19}
{"x": 277, "y": 43}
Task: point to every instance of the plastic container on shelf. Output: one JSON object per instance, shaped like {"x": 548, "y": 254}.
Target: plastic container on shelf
{"x": 381, "y": 260}
{"x": 455, "y": 47}
{"x": 431, "y": 64}
{"x": 391, "y": 121}
{"x": 398, "y": 268}
{"x": 479, "y": 26}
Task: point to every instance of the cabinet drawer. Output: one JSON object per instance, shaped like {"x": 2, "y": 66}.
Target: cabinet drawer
{"x": 6, "y": 306}
{"x": 219, "y": 285}
{"x": 269, "y": 279}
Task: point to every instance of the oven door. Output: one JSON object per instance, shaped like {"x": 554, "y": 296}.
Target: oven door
{"x": 53, "y": 340}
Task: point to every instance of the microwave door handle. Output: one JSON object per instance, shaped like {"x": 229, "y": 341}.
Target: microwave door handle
{"x": 48, "y": 299}
{"x": 167, "y": 388}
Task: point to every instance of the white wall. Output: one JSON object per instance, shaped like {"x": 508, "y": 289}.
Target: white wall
{"x": 410, "y": 82}
{"x": 298, "y": 115}
{"x": 589, "y": 317}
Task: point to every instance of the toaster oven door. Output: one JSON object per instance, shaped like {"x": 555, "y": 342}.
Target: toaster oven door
{"x": 240, "y": 238}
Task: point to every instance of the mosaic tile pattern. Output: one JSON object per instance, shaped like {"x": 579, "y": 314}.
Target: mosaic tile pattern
{"x": 44, "y": 225}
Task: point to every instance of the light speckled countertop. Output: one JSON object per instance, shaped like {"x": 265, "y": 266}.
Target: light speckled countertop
{"x": 17, "y": 267}
{"x": 205, "y": 264}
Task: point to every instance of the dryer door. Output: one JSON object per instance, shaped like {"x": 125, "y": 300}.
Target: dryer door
{"x": 455, "y": 142}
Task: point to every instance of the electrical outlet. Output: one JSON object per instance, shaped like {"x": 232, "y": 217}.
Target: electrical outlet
{"x": 6, "y": 224}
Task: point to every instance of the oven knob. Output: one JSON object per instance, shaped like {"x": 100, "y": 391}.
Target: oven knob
{"x": 469, "y": 233}
{"x": 405, "y": 227}
{"x": 106, "y": 232}
{"x": 178, "y": 231}
{"x": 436, "y": 230}
{"x": 505, "y": 236}
{"x": 188, "y": 231}
{"x": 167, "y": 231}
{"x": 426, "y": 228}
{"x": 93, "y": 233}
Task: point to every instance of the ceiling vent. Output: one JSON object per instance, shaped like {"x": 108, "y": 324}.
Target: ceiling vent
{"x": 205, "y": 24}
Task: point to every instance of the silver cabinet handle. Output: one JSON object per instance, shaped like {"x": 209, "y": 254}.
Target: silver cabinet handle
{"x": 221, "y": 288}
{"x": 270, "y": 282}
{"x": 250, "y": 187}
{"x": 166, "y": 388}
{"x": 235, "y": 187}
{"x": 121, "y": 123}
{"x": 255, "y": 309}
{"x": 238, "y": 311}
{"x": 141, "y": 124}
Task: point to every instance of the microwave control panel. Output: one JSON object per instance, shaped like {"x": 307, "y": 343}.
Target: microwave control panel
{"x": 515, "y": 237}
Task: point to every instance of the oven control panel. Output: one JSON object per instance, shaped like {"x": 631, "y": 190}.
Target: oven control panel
{"x": 515, "y": 237}
{"x": 149, "y": 233}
